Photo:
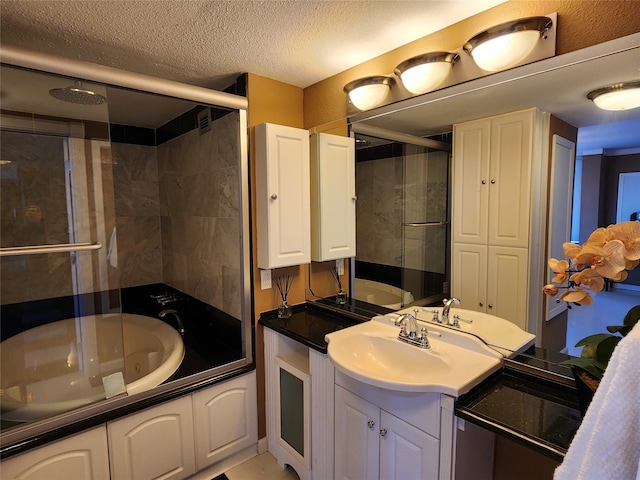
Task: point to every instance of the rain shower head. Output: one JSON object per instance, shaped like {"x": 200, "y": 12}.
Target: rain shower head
{"x": 77, "y": 94}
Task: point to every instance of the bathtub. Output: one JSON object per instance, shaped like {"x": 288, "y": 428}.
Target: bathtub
{"x": 66, "y": 364}
{"x": 381, "y": 294}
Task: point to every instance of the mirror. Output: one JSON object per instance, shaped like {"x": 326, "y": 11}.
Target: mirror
{"x": 158, "y": 185}
{"x": 557, "y": 85}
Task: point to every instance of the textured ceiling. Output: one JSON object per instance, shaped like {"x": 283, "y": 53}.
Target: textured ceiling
{"x": 208, "y": 43}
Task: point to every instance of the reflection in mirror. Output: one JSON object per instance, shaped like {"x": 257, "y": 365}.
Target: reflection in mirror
{"x": 402, "y": 223}
{"x": 139, "y": 207}
{"x": 558, "y": 85}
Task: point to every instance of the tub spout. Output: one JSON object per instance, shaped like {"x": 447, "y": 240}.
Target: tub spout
{"x": 175, "y": 315}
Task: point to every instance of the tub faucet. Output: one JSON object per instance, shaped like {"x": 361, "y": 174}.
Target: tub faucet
{"x": 447, "y": 306}
{"x": 171, "y": 311}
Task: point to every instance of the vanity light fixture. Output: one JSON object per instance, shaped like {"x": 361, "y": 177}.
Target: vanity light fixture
{"x": 619, "y": 96}
{"x": 425, "y": 72}
{"x": 368, "y": 92}
{"x": 507, "y": 44}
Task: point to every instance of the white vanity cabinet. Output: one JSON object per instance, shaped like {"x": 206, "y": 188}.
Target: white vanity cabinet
{"x": 372, "y": 443}
{"x": 282, "y": 196}
{"x": 493, "y": 166}
{"x": 333, "y": 197}
{"x": 154, "y": 443}
{"x": 380, "y": 434}
{"x": 84, "y": 455}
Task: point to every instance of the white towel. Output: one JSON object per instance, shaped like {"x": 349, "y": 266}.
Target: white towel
{"x": 607, "y": 444}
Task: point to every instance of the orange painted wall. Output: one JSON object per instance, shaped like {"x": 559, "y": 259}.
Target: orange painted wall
{"x": 273, "y": 102}
{"x": 581, "y": 23}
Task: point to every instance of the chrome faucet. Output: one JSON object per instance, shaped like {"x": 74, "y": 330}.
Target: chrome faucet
{"x": 413, "y": 325}
{"x": 412, "y": 336}
{"x": 447, "y": 306}
{"x": 175, "y": 315}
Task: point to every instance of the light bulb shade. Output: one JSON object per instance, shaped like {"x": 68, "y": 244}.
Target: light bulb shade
{"x": 619, "y": 96}
{"x": 425, "y": 72}
{"x": 369, "y": 92}
{"x": 506, "y": 45}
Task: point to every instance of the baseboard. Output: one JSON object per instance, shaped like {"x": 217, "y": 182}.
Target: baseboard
{"x": 262, "y": 445}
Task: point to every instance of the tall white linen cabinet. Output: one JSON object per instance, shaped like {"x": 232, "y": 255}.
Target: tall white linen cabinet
{"x": 497, "y": 177}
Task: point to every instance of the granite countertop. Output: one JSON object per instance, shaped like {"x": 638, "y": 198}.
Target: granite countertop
{"x": 535, "y": 411}
{"x": 308, "y": 324}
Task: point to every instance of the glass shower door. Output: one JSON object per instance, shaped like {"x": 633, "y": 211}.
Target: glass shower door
{"x": 426, "y": 226}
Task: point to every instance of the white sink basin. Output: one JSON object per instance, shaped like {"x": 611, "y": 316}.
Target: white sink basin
{"x": 496, "y": 331}
{"x": 371, "y": 353}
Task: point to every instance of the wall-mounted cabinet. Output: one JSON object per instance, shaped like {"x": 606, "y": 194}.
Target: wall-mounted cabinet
{"x": 282, "y": 196}
{"x": 493, "y": 163}
{"x": 333, "y": 197}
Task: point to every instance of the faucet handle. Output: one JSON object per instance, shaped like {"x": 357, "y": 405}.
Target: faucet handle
{"x": 424, "y": 340}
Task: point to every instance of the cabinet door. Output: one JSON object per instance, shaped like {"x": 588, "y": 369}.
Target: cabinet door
{"x": 81, "y": 456}
{"x": 357, "y": 430}
{"x": 406, "y": 452}
{"x": 469, "y": 274}
{"x": 510, "y": 179}
{"x": 154, "y": 443}
{"x": 282, "y": 195}
{"x": 225, "y": 419}
{"x": 507, "y": 284}
{"x": 471, "y": 181}
{"x": 333, "y": 197}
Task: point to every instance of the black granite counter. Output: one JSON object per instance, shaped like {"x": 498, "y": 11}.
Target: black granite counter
{"x": 538, "y": 412}
{"x": 308, "y": 324}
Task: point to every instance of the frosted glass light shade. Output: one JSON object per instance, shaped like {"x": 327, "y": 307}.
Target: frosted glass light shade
{"x": 425, "y": 72}
{"x": 507, "y": 44}
{"x": 369, "y": 92}
{"x": 620, "y": 96}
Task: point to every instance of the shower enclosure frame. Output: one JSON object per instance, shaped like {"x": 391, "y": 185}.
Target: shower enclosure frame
{"x": 46, "y": 63}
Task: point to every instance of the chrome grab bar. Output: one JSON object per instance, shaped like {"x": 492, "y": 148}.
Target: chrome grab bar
{"x": 56, "y": 248}
{"x": 425, "y": 224}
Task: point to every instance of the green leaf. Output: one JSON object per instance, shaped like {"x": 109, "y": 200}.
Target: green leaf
{"x": 621, "y": 329}
{"x": 586, "y": 364}
{"x": 605, "y": 348}
{"x": 632, "y": 316}
{"x": 593, "y": 339}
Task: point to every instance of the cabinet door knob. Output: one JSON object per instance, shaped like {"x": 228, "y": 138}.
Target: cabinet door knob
{"x": 493, "y": 180}
{"x": 371, "y": 424}
{"x": 490, "y": 306}
{"x": 383, "y": 432}
{"x": 274, "y": 196}
{"x": 354, "y": 198}
{"x": 484, "y": 182}
{"x": 481, "y": 304}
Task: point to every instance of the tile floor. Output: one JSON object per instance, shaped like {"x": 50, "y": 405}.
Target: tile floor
{"x": 608, "y": 308}
{"x": 261, "y": 467}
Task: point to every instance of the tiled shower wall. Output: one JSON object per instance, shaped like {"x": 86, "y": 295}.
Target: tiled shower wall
{"x": 386, "y": 200}
{"x": 177, "y": 214}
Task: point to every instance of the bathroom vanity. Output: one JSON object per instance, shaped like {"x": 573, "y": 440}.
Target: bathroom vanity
{"x": 365, "y": 424}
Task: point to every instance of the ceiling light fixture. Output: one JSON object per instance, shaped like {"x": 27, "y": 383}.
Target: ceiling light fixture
{"x": 366, "y": 93}
{"x": 506, "y": 45}
{"x": 619, "y": 96}
{"x": 425, "y": 72}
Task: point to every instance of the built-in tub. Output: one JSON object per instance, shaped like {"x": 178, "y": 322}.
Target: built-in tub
{"x": 382, "y": 294}
{"x": 69, "y": 363}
